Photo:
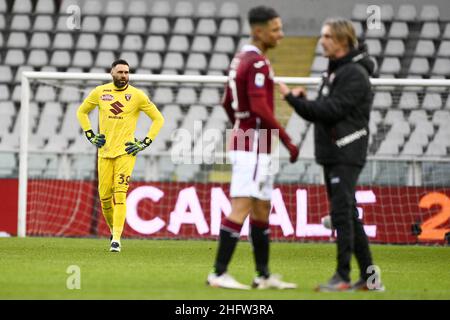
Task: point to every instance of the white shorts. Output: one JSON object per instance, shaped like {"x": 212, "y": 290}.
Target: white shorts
{"x": 251, "y": 175}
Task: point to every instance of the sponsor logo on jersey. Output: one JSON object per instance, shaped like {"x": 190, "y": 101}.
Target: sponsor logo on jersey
{"x": 260, "y": 78}
{"x": 127, "y": 97}
{"x": 107, "y": 90}
{"x": 259, "y": 64}
{"x": 116, "y": 108}
{"x": 107, "y": 97}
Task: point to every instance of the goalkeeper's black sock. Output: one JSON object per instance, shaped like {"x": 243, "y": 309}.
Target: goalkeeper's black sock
{"x": 259, "y": 237}
{"x": 229, "y": 236}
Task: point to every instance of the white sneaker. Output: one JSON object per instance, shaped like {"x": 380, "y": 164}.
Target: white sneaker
{"x": 225, "y": 281}
{"x": 273, "y": 282}
{"x": 115, "y": 246}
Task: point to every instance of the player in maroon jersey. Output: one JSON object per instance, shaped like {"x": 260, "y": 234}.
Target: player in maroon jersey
{"x": 249, "y": 103}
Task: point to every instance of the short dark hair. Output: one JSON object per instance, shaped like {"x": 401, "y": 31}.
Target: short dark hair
{"x": 261, "y": 15}
{"x": 119, "y": 61}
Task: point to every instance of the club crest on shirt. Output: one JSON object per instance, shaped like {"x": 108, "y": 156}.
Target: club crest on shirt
{"x": 107, "y": 97}
{"x": 127, "y": 97}
{"x": 259, "y": 80}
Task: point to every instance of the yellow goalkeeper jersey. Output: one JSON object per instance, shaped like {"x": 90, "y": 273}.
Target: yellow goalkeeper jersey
{"x": 118, "y": 114}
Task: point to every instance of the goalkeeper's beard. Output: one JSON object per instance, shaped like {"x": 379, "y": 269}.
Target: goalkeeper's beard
{"x": 119, "y": 83}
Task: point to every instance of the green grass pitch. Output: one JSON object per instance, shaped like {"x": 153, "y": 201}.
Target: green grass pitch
{"x": 36, "y": 268}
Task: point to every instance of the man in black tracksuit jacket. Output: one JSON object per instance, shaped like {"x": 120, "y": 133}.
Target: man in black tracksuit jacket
{"x": 341, "y": 133}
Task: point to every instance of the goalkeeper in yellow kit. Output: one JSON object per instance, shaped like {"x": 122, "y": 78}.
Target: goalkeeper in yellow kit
{"x": 119, "y": 105}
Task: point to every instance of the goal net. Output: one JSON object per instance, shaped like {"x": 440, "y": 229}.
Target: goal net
{"x": 180, "y": 185}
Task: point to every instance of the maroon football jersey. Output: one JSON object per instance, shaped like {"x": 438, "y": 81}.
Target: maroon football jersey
{"x": 250, "y": 76}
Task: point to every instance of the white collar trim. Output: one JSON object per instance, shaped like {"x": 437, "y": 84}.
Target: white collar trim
{"x": 250, "y": 47}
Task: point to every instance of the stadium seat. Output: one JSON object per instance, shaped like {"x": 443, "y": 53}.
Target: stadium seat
{"x": 45, "y": 6}
{"x": 137, "y": 8}
{"x": 441, "y": 67}
{"x": 131, "y": 57}
{"x": 183, "y": 9}
{"x": 412, "y": 148}
{"x": 229, "y": 27}
{"x": 378, "y": 33}
{"x": 206, "y": 9}
{"x": 387, "y": 12}
{"x": 163, "y": 96}
{"x": 432, "y": 101}
{"x": 224, "y": 45}
{"x": 390, "y": 66}
{"x": 419, "y": 66}
{"x": 201, "y": 44}
{"x": 197, "y": 112}
{"x": 219, "y": 61}
{"x": 43, "y": 23}
{"x": 151, "y": 60}
{"x": 69, "y": 94}
{"x": 196, "y": 61}
{"x": 398, "y": 30}
{"x": 183, "y": 26}
{"x": 358, "y": 29}
{"x": 3, "y": 6}
{"x": 20, "y": 69}
{"x": 115, "y": 8}
{"x": 93, "y": 8}
{"x": 172, "y": 112}
{"x": 425, "y": 128}
{"x": 429, "y": 13}
{"x": 56, "y": 143}
{"x": 382, "y": 100}
{"x": 37, "y": 58}
{"x": 418, "y": 117}
{"x": 132, "y": 43}
{"x": 136, "y": 25}
{"x": 63, "y": 41}
{"x": 395, "y": 48}
{"x": 87, "y": 41}
{"x": 186, "y": 96}
{"x": 160, "y": 9}
{"x": 209, "y": 96}
{"x": 359, "y": 12}
{"x": 109, "y": 42}
{"x": 174, "y": 61}
{"x": 206, "y": 27}
{"x": 393, "y": 116}
{"x": 65, "y": 4}
{"x": 320, "y": 64}
{"x": 60, "y": 59}
{"x": 229, "y": 10}
{"x": 104, "y": 59}
{"x": 17, "y": 40}
{"x": 245, "y": 29}
{"x": 409, "y": 100}
{"x": 20, "y": 23}
{"x": 425, "y": 48}
{"x": 5, "y": 75}
{"x": 2, "y": 24}
{"x": 14, "y": 57}
{"x": 441, "y": 117}
{"x": 22, "y": 6}
{"x": 444, "y": 49}
{"x": 218, "y": 112}
{"x": 4, "y": 92}
{"x": 40, "y": 40}
{"x": 89, "y": 24}
{"x": 243, "y": 41}
{"x": 82, "y": 59}
{"x": 159, "y": 26}
{"x": 407, "y": 13}
{"x": 45, "y": 93}
{"x": 155, "y": 43}
{"x": 113, "y": 25}
{"x": 441, "y": 89}
{"x": 446, "y": 34}
{"x": 178, "y": 43}
{"x": 436, "y": 149}
{"x": 373, "y": 47}
{"x": 430, "y": 30}
{"x": 387, "y": 147}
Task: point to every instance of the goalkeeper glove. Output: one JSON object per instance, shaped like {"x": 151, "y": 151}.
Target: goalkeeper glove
{"x": 97, "y": 140}
{"x": 134, "y": 147}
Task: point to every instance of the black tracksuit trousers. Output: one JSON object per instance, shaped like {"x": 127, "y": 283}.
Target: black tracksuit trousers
{"x": 341, "y": 182}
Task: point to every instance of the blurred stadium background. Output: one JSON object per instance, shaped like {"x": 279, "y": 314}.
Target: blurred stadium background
{"x": 404, "y": 189}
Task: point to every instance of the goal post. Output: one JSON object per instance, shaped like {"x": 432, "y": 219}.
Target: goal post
{"x": 296, "y": 182}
